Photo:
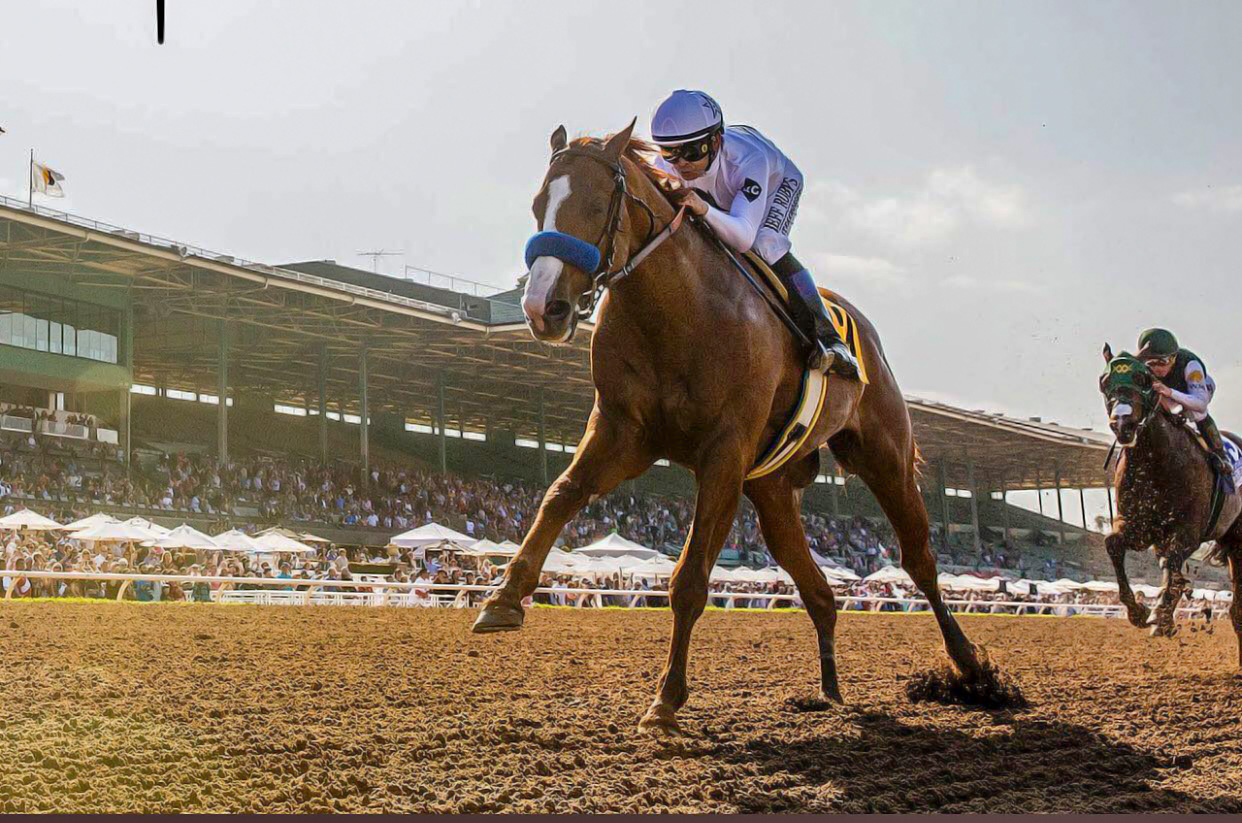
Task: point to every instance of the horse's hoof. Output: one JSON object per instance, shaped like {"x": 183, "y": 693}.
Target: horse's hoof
{"x": 832, "y": 695}
{"x": 659, "y": 720}
{"x": 1161, "y": 630}
{"x": 498, "y": 619}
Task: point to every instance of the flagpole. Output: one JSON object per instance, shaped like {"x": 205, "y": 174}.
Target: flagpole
{"x": 30, "y": 177}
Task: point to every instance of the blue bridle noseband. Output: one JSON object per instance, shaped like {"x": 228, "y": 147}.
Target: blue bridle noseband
{"x": 587, "y": 257}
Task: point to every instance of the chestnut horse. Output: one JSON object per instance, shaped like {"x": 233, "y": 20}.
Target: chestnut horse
{"x": 691, "y": 365}
{"x": 1164, "y": 483}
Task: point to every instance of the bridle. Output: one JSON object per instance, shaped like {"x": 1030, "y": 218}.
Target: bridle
{"x": 578, "y": 252}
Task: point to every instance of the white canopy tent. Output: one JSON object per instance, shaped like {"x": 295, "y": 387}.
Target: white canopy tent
{"x": 429, "y": 534}
{"x": 235, "y": 540}
{"x": 275, "y": 541}
{"x": 26, "y": 520}
{"x": 658, "y": 568}
{"x": 114, "y": 533}
{"x": 87, "y": 522}
{"x": 889, "y": 574}
{"x": 186, "y": 537}
{"x": 614, "y": 545}
{"x": 143, "y": 523}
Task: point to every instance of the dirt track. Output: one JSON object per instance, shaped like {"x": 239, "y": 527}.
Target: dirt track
{"x": 179, "y": 707}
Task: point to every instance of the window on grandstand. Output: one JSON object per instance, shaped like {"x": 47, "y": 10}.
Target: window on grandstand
{"x": 58, "y": 326}
{"x": 420, "y": 428}
{"x": 138, "y": 388}
{"x": 526, "y": 443}
{"x": 661, "y": 462}
{"x": 469, "y": 435}
{"x": 296, "y": 411}
{"x": 957, "y": 493}
{"x": 212, "y": 399}
{"x": 178, "y": 394}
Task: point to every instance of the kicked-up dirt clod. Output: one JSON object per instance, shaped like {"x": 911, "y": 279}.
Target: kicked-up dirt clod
{"x": 191, "y": 707}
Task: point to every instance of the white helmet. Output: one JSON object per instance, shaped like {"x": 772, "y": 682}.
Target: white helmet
{"x": 685, "y": 116}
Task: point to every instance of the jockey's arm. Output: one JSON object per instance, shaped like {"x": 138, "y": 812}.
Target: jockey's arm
{"x": 740, "y": 224}
{"x": 1198, "y": 395}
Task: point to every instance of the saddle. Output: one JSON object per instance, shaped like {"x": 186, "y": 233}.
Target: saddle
{"x": 813, "y": 395}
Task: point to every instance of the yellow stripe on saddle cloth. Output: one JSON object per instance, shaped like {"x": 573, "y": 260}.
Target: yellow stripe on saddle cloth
{"x": 814, "y": 394}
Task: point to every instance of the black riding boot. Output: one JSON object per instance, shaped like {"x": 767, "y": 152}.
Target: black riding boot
{"x": 1220, "y": 457}
{"x": 830, "y": 354}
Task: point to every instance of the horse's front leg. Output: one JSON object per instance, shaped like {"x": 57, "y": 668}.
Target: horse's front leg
{"x": 720, "y": 489}
{"x": 611, "y": 451}
{"x": 1117, "y": 546}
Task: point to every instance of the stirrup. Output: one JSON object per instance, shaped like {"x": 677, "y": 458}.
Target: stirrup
{"x": 840, "y": 361}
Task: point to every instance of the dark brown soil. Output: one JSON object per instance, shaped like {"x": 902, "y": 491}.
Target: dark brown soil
{"x": 184, "y": 707}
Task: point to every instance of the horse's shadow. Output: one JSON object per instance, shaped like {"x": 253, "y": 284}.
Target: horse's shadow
{"x": 890, "y": 766}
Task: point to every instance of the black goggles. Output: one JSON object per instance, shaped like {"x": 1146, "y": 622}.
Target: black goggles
{"x": 691, "y": 152}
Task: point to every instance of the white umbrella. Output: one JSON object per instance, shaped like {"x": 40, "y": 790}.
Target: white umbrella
{"x": 722, "y": 575}
{"x": 275, "y": 541}
{"x": 186, "y": 537}
{"x": 658, "y": 567}
{"x": 1065, "y": 584}
{"x": 614, "y": 545}
{"x": 114, "y": 533}
{"x": 429, "y": 534}
{"x": 835, "y": 571}
{"x": 87, "y": 522}
{"x": 238, "y": 541}
{"x": 889, "y": 574}
{"x": 486, "y": 548}
{"x": 143, "y": 523}
{"x": 1100, "y": 586}
{"x": 310, "y": 538}
{"x": 29, "y": 521}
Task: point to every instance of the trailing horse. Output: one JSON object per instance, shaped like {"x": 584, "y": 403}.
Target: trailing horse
{"x": 690, "y": 364}
{"x": 1168, "y": 495}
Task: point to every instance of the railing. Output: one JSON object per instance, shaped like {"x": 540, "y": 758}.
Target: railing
{"x": 449, "y": 282}
{"x": 13, "y": 423}
{"x": 279, "y": 591}
{"x": 55, "y": 428}
{"x": 186, "y": 250}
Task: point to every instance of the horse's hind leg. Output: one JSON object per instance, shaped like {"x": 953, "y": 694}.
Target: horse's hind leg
{"x": 1173, "y": 586}
{"x": 886, "y": 465}
{"x": 1235, "y": 608}
{"x": 778, "y": 504}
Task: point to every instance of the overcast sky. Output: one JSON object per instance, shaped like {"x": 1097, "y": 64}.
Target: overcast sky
{"x": 1000, "y": 186}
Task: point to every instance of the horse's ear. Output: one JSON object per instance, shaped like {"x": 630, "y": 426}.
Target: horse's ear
{"x": 559, "y": 139}
{"x": 1108, "y": 353}
{"x": 616, "y": 144}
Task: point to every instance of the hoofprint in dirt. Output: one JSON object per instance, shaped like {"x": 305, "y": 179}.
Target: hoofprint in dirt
{"x": 186, "y": 707}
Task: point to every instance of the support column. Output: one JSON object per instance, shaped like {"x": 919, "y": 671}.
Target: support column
{"x": 834, "y": 493}
{"x": 944, "y": 506}
{"x": 363, "y": 413}
{"x": 1082, "y": 501}
{"x": 543, "y": 442}
{"x": 440, "y": 425}
{"x": 1060, "y": 506}
{"x": 122, "y": 426}
{"x": 1005, "y": 507}
{"x": 974, "y": 504}
{"x": 1039, "y": 493}
{"x": 323, "y": 403}
{"x": 222, "y": 392}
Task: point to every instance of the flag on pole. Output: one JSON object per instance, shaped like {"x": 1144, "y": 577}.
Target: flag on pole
{"x": 47, "y": 181}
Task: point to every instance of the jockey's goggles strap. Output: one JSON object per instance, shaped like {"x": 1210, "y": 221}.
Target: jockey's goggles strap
{"x": 564, "y": 247}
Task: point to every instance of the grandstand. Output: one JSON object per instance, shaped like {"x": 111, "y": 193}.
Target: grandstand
{"x": 152, "y": 344}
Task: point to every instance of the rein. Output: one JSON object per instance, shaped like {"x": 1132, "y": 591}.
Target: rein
{"x": 590, "y": 258}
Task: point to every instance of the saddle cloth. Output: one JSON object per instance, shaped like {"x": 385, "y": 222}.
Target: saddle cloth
{"x": 1231, "y": 451}
{"x": 814, "y": 392}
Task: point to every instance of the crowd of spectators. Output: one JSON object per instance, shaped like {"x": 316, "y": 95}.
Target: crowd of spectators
{"x": 260, "y": 490}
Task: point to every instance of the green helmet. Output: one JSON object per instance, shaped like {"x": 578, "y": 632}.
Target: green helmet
{"x": 1157, "y": 343}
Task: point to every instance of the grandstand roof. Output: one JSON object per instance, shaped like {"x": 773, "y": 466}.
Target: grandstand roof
{"x": 493, "y": 371}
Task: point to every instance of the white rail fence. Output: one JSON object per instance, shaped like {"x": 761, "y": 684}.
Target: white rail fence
{"x": 457, "y": 595}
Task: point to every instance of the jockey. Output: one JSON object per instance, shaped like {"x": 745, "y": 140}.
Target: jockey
{"x": 747, "y": 191}
{"x": 1182, "y": 380}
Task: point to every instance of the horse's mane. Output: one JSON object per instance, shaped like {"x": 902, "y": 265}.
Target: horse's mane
{"x": 640, "y": 152}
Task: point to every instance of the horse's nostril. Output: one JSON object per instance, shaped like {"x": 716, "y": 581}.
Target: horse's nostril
{"x": 557, "y": 309}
